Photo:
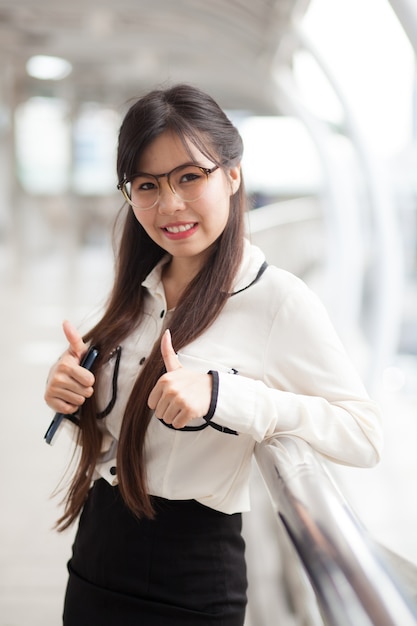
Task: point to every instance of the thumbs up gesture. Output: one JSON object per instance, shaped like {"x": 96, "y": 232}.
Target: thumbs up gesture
{"x": 68, "y": 383}
{"x": 180, "y": 395}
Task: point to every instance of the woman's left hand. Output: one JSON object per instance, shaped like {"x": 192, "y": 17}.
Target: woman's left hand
{"x": 180, "y": 395}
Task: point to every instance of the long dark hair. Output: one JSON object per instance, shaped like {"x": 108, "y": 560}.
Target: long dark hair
{"x": 195, "y": 117}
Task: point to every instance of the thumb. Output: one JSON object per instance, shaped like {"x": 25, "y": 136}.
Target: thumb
{"x": 77, "y": 347}
{"x": 170, "y": 358}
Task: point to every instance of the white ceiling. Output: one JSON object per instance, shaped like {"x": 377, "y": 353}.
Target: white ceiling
{"x": 120, "y": 48}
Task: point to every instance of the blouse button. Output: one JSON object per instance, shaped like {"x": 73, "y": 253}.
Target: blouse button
{"x": 113, "y": 471}
{"x": 162, "y": 313}
{"x": 142, "y": 361}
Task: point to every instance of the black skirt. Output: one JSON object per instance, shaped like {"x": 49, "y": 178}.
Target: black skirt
{"x": 184, "y": 567}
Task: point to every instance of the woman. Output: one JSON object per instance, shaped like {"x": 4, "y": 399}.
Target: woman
{"x": 170, "y": 418}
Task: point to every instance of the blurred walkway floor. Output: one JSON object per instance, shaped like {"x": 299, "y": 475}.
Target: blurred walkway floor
{"x": 34, "y": 301}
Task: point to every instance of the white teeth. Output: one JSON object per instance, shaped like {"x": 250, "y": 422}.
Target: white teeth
{"x": 179, "y": 229}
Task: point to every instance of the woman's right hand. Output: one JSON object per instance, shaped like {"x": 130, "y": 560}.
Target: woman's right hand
{"x": 68, "y": 383}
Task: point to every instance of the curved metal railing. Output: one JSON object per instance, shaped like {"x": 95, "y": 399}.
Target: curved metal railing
{"x": 354, "y": 581}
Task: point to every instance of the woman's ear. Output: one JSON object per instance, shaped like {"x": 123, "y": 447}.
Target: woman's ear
{"x": 234, "y": 178}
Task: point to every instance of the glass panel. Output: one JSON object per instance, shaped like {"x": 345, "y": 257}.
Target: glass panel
{"x": 43, "y": 145}
{"x": 95, "y": 142}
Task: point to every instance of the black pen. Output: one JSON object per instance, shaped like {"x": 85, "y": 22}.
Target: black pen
{"x": 86, "y": 362}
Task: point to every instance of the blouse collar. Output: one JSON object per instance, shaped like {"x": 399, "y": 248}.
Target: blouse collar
{"x": 252, "y": 260}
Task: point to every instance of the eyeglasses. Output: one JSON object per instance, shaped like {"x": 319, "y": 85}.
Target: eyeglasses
{"x": 188, "y": 182}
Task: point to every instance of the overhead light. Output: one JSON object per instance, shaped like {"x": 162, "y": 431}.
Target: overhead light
{"x": 48, "y": 68}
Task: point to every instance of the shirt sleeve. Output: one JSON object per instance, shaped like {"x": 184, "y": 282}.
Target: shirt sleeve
{"x": 308, "y": 389}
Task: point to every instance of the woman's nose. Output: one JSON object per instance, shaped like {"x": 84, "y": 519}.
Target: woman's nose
{"x": 168, "y": 201}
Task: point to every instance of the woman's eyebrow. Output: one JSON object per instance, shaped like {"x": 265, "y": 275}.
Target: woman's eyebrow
{"x": 142, "y": 172}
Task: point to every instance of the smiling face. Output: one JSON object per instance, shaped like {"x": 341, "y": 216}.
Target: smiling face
{"x": 186, "y": 230}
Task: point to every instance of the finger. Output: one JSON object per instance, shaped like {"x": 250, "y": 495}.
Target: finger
{"x": 171, "y": 360}
{"x": 153, "y": 398}
{"x": 66, "y": 399}
{"x": 62, "y": 405}
{"x": 77, "y": 346}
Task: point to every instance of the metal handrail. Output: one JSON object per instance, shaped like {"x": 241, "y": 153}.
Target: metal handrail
{"x": 406, "y": 13}
{"x": 355, "y": 584}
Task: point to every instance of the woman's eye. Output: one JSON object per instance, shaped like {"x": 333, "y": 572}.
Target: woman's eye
{"x": 143, "y": 184}
{"x": 148, "y": 186}
{"x": 189, "y": 177}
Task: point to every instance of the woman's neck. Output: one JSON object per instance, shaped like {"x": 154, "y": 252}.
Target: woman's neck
{"x": 176, "y": 277}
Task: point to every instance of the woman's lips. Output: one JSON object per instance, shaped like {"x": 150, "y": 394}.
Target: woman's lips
{"x": 180, "y": 231}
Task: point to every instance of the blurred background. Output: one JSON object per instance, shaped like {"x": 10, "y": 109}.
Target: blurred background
{"x": 324, "y": 93}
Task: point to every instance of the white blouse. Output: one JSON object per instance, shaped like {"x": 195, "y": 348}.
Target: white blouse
{"x": 282, "y": 370}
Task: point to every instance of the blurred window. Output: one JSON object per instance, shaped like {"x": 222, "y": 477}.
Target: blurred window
{"x": 95, "y": 141}
{"x": 280, "y": 158}
{"x": 52, "y": 155}
{"x": 43, "y": 142}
